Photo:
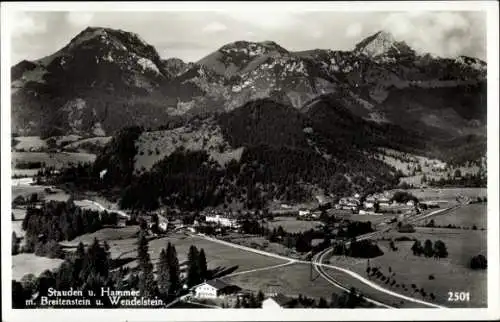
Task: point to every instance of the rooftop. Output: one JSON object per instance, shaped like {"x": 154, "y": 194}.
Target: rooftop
{"x": 281, "y": 299}
{"x": 217, "y": 283}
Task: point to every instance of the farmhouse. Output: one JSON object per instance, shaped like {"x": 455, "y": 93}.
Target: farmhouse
{"x": 223, "y": 219}
{"x": 410, "y": 203}
{"x": 276, "y": 301}
{"x": 370, "y": 198}
{"x": 384, "y": 202}
{"x": 162, "y": 223}
{"x": 369, "y": 205}
{"x": 214, "y": 289}
{"x": 304, "y": 212}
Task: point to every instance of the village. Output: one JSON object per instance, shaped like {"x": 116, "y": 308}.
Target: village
{"x": 293, "y": 232}
{"x": 219, "y": 293}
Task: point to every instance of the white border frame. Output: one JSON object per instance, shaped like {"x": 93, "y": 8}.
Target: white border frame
{"x": 492, "y": 312}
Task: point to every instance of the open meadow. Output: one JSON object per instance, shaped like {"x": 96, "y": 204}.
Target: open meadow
{"x": 123, "y": 245}
{"x": 105, "y": 234}
{"x": 259, "y": 242}
{"x": 156, "y": 145}
{"x": 448, "y": 274}
{"x": 374, "y": 219}
{"x": 447, "y": 194}
{"x": 24, "y": 263}
{"x": 290, "y": 280}
{"x": 292, "y": 225}
{"x": 298, "y": 278}
{"x": 28, "y": 143}
{"x": 27, "y": 190}
{"x": 58, "y": 160}
{"x": 466, "y": 216}
{"x": 85, "y": 144}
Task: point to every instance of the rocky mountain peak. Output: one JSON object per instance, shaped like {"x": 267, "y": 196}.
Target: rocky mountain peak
{"x": 252, "y": 49}
{"x": 382, "y": 43}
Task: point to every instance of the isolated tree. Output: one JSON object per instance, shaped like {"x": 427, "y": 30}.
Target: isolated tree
{"x": 174, "y": 270}
{"x": 252, "y": 301}
{"x": 95, "y": 262}
{"x": 154, "y": 223}
{"x": 34, "y": 198}
{"x": 428, "y": 249}
{"x": 440, "y": 249}
{"x": 163, "y": 273}
{"x": 18, "y": 295}
{"x": 64, "y": 276}
{"x": 479, "y": 262}
{"x": 193, "y": 275}
{"x": 322, "y": 303}
{"x": 260, "y": 297}
{"x": 147, "y": 283}
{"x": 202, "y": 265}
{"x": 143, "y": 225}
{"x": 417, "y": 248}
{"x": 237, "y": 305}
{"x": 142, "y": 249}
{"x": 353, "y": 299}
{"x": 15, "y": 244}
{"x": 45, "y": 281}
{"x": 78, "y": 261}
{"x": 392, "y": 245}
{"x": 29, "y": 283}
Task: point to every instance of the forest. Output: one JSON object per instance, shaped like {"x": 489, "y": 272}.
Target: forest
{"x": 56, "y": 221}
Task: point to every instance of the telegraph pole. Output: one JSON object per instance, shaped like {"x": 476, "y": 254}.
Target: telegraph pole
{"x": 311, "y": 266}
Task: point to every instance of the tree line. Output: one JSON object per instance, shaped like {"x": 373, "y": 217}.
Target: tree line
{"x": 190, "y": 180}
{"x": 92, "y": 268}
{"x": 429, "y": 249}
{"x": 362, "y": 249}
{"x": 56, "y": 221}
{"x": 85, "y": 269}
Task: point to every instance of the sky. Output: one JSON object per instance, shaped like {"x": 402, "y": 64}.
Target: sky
{"x": 191, "y": 35}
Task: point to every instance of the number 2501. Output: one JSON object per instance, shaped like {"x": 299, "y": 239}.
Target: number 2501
{"x": 458, "y": 296}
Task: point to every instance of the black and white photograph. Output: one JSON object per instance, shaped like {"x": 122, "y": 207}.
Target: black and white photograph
{"x": 323, "y": 161}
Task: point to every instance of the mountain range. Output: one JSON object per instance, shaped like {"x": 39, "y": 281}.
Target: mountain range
{"x": 106, "y": 79}
{"x": 251, "y": 121}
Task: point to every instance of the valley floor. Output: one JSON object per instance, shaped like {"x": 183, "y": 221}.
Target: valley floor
{"x": 256, "y": 271}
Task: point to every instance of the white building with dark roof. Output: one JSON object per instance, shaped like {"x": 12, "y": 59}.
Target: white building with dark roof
{"x": 277, "y": 301}
{"x": 214, "y": 289}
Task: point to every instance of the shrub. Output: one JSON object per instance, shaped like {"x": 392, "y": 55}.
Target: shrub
{"x": 431, "y": 277}
{"x": 403, "y": 238}
{"x": 479, "y": 262}
{"x": 440, "y": 249}
{"x": 406, "y": 228}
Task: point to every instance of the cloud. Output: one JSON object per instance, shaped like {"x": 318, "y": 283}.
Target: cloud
{"x": 214, "y": 27}
{"x": 268, "y": 20}
{"x": 442, "y": 33}
{"x": 25, "y": 23}
{"x": 354, "y": 30}
{"x": 446, "y": 34}
{"x": 80, "y": 19}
